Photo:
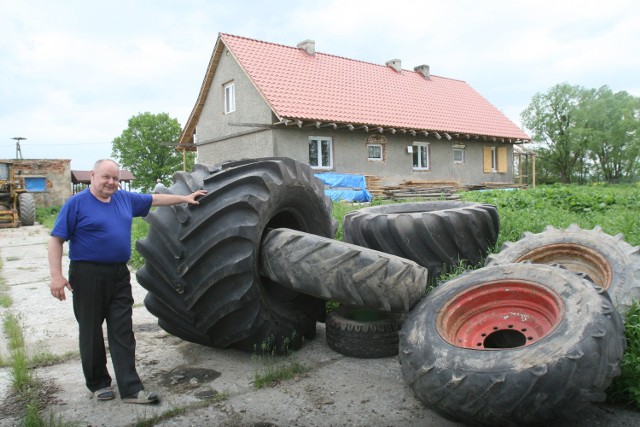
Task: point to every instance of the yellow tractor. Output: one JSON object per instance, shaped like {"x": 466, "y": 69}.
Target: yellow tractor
{"x": 17, "y": 205}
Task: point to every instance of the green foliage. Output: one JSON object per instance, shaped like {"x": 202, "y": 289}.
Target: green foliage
{"x": 340, "y": 209}
{"x": 625, "y": 388}
{"x": 616, "y": 208}
{"x": 139, "y": 230}
{"x": 585, "y": 134}
{"x": 47, "y": 216}
{"x": 147, "y": 149}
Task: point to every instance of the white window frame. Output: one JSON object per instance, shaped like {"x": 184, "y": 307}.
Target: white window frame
{"x": 318, "y": 142}
{"x": 462, "y": 154}
{"x": 375, "y": 159}
{"x": 229, "y": 90}
{"x": 419, "y": 147}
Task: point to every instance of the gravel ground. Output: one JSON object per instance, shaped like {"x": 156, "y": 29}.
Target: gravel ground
{"x": 334, "y": 391}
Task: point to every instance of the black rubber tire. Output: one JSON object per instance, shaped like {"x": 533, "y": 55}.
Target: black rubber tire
{"x": 201, "y": 262}
{"x": 608, "y": 260}
{"x": 341, "y": 272}
{"x": 363, "y": 333}
{"x": 564, "y": 360}
{"x": 437, "y": 235}
{"x": 26, "y": 209}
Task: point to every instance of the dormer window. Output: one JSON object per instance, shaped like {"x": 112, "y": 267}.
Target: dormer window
{"x": 229, "y": 97}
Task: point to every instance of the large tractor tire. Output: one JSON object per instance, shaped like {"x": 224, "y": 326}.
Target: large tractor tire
{"x": 201, "y": 262}
{"x": 608, "y": 260}
{"x": 341, "y": 272}
{"x": 512, "y": 345}
{"x": 436, "y": 235}
{"x": 26, "y": 209}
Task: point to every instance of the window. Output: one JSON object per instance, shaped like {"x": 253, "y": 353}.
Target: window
{"x": 494, "y": 159}
{"x": 420, "y": 155}
{"x": 375, "y": 152}
{"x": 458, "y": 155}
{"x": 320, "y": 152}
{"x": 229, "y": 97}
{"x": 35, "y": 183}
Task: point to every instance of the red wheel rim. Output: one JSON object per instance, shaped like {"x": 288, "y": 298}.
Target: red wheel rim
{"x": 500, "y": 315}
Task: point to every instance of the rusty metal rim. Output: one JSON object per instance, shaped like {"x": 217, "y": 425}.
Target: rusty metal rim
{"x": 575, "y": 257}
{"x": 499, "y": 315}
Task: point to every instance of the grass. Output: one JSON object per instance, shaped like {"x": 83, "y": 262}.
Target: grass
{"x": 24, "y": 385}
{"x": 275, "y": 368}
{"x": 625, "y": 388}
{"x": 616, "y": 208}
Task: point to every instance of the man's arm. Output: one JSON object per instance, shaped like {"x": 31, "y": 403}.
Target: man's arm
{"x": 174, "y": 199}
{"x": 58, "y": 281}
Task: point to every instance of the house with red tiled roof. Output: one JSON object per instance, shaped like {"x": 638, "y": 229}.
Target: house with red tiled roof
{"x": 262, "y": 99}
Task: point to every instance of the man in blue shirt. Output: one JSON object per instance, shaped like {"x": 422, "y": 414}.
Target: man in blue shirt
{"x": 97, "y": 224}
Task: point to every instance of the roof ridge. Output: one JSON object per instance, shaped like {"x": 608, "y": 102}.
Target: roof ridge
{"x": 334, "y": 56}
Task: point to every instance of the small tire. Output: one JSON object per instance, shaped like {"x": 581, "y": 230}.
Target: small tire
{"x": 608, "y": 260}
{"x": 363, "y": 333}
{"x": 437, "y": 235}
{"x": 511, "y": 345}
{"x": 341, "y": 272}
{"x": 26, "y": 209}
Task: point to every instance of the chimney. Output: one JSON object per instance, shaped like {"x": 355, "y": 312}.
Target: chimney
{"x": 308, "y": 46}
{"x": 424, "y": 70}
{"x": 395, "y": 64}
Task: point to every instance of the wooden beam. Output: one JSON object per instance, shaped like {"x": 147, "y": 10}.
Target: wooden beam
{"x": 437, "y": 135}
{"x": 446, "y": 135}
{"x": 329, "y": 125}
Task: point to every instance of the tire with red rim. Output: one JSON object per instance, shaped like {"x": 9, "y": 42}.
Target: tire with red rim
{"x": 609, "y": 261}
{"x": 512, "y": 344}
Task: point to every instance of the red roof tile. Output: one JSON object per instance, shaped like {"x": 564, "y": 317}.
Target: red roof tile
{"x": 330, "y": 88}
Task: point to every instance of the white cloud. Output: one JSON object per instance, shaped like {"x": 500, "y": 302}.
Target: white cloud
{"x": 74, "y": 72}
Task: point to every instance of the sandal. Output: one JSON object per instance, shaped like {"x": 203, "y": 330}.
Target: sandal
{"x": 142, "y": 397}
{"x": 104, "y": 394}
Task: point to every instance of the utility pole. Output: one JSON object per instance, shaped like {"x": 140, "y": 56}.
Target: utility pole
{"x": 18, "y": 149}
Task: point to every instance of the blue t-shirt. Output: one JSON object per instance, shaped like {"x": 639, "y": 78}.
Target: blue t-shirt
{"x": 98, "y": 231}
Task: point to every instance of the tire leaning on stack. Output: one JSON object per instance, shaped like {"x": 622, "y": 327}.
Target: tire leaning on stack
{"x": 511, "y": 345}
{"x": 201, "y": 262}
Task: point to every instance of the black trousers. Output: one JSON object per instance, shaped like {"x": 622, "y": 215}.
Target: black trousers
{"x": 103, "y": 292}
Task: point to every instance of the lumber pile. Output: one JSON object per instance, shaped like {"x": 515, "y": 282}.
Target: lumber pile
{"x": 413, "y": 189}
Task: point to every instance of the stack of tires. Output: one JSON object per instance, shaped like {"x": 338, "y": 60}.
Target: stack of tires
{"x": 533, "y": 336}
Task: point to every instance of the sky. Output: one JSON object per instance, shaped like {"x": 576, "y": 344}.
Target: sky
{"x": 72, "y": 73}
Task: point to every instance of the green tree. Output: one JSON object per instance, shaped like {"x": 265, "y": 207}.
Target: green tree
{"x": 552, "y": 117}
{"x": 611, "y": 126}
{"x": 147, "y": 149}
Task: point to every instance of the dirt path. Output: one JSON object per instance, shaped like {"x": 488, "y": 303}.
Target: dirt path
{"x": 335, "y": 391}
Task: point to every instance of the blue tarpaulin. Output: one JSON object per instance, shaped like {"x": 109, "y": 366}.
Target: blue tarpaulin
{"x": 348, "y": 187}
